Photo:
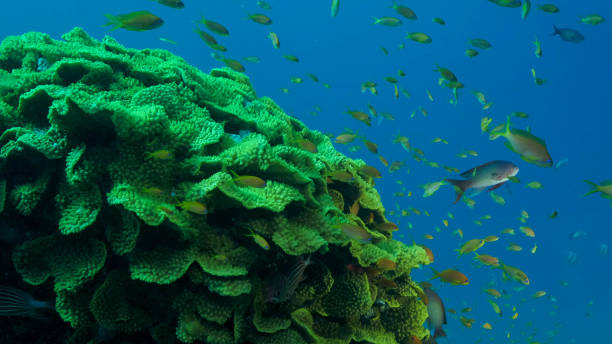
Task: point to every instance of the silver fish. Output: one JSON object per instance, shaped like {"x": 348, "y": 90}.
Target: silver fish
{"x": 436, "y": 312}
{"x": 492, "y": 174}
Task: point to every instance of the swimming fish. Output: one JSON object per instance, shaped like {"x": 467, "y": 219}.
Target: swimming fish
{"x": 531, "y": 148}
{"x": 525, "y": 9}
{"x": 334, "y": 7}
{"x": 492, "y": 174}
{"x": 568, "y": 35}
{"x": 134, "y": 21}
{"x": 538, "y": 48}
{"x": 259, "y": 240}
{"x": 605, "y": 188}
{"x": 18, "y": 303}
{"x": 214, "y": 27}
{"x": 470, "y": 246}
{"x": 480, "y": 43}
{"x": 593, "y": 19}
{"x": 515, "y": 274}
{"x": 172, "y": 3}
{"x": 194, "y": 207}
{"x": 436, "y": 313}
{"x": 260, "y": 18}
{"x": 288, "y": 283}
{"x": 388, "y": 21}
{"x": 252, "y": 181}
{"x": 404, "y": 11}
{"x": 453, "y": 277}
{"x": 549, "y": 8}
{"x": 507, "y": 3}
{"x": 420, "y": 37}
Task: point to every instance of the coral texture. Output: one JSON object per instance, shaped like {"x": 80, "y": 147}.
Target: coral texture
{"x": 133, "y": 175}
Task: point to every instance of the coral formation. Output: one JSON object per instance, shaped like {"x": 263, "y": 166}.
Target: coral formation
{"x": 120, "y": 166}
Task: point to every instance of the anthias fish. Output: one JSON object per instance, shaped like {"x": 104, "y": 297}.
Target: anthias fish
{"x": 135, "y": 21}
{"x": 492, "y": 174}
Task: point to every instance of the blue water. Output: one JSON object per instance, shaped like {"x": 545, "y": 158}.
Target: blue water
{"x": 570, "y": 111}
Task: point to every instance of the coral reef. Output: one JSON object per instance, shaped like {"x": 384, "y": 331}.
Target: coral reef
{"x": 118, "y": 169}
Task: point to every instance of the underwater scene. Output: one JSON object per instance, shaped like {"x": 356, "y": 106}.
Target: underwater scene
{"x": 331, "y": 171}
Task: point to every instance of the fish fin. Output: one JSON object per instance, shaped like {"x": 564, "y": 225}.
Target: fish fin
{"x": 595, "y": 188}
{"x": 234, "y": 174}
{"x": 113, "y": 20}
{"x": 496, "y": 186}
{"x": 557, "y": 32}
{"x": 472, "y": 172}
{"x": 436, "y": 273}
{"x": 460, "y": 187}
{"x": 439, "y": 333}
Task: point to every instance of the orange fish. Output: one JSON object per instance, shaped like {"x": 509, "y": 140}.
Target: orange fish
{"x": 453, "y": 277}
{"x": 385, "y": 264}
{"x": 487, "y": 259}
{"x": 387, "y": 227}
{"x": 493, "y": 292}
{"x": 370, "y": 171}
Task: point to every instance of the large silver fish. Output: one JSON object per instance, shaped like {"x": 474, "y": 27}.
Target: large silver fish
{"x": 436, "y": 312}
{"x": 492, "y": 174}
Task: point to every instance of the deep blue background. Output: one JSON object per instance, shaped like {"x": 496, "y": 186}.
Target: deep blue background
{"x": 571, "y": 112}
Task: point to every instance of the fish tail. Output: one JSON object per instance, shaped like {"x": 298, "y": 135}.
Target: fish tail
{"x": 439, "y": 333}
{"x": 460, "y": 187}
{"x": 557, "y": 32}
{"x": 594, "y": 189}
{"x": 436, "y": 273}
{"x": 113, "y": 20}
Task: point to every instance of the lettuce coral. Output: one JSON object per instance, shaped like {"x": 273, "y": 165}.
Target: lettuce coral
{"x": 122, "y": 163}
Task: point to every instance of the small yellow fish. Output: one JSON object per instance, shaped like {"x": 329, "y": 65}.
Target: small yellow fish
{"x": 470, "y": 246}
{"x": 508, "y": 231}
{"x": 514, "y": 247}
{"x": 260, "y": 18}
{"x": 515, "y": 316}
{"x": 252, "y": 181}
{"x": 161, "y": 154}
{"x": 259, "y": 240}
{"x": 496, "y": 308}
{"x": 194, "y": 207}
{"x": 535, "y": 185}
{"x": 274, "y": 38}
{"x": 528, "y": 231}
{"x": 491, "y": 238}
{"x": 493, "y": 292}
{"x": 487, "y": 326}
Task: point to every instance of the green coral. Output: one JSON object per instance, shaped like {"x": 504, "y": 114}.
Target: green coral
{"x": 123, "y": 161}
{"x": 350, "y": 296}
{"x": 71, "y": 261}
